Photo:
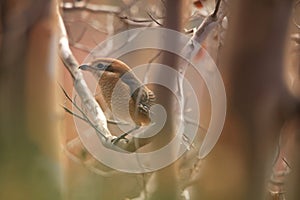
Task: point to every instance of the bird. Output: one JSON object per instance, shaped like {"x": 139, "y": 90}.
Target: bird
{"x": 123, "y": 93}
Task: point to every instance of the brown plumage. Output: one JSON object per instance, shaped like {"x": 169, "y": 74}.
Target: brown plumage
{"x": 122, "y": 91}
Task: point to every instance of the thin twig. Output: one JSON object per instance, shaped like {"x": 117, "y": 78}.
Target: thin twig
{"x": 81, "y": 34}
{"x": 117, "y": 122}
{"x": 189, "y": 31}
{"x": 155, "y": 20}
{"x": 137, "y": 21}
{"x": 286, "y": 162}
{"x": 83, "y": 114}
{"x": 74, "y": 114}
{"x": 94, "y": 8}
{"x": 89, "y": 23}
{"x": 216, "y": 9}
{"x": 210, "y": 22}
{"x": 80, "y": 47}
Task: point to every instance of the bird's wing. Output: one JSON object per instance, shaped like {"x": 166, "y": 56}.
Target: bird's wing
{"x": 143, "y": 96}
{"x": 145, "y": 99}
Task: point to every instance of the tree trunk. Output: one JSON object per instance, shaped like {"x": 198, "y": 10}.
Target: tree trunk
{"x": 30, "y": 162}
{"x": 166, "y": 178}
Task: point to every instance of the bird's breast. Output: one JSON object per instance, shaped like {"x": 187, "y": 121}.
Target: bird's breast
{"x": 118, "y": 99}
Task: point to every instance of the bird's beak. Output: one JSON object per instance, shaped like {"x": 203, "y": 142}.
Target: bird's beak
{"x": 84, "y": 66}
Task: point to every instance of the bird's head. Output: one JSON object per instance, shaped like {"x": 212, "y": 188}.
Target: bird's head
{"x": 110, "y": 67}
{"x": 101, "y": 65}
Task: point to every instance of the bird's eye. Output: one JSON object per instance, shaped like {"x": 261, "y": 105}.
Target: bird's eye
{"x": 101, "y": 66}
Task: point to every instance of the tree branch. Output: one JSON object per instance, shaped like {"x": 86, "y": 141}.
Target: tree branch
{"x": 96, "y": 114}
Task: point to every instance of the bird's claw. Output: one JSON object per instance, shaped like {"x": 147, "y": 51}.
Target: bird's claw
{"x": 121, "y": 137}
{"x": 143, "y": 108}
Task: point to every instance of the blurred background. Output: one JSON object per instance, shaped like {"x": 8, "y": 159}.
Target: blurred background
{"x": 254, "y": 43}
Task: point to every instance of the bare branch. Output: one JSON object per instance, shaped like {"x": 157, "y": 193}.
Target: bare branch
{"x": 96, "y": 8}
{"x": 97, "y": 116}
{"x": 140, "y": 21}
{"x": 155, "y": 20}
{"x": 90, "y": 7}
{"x": 74, "y": 114}
{"x": 210, "y": 22}
{"x": 91, "y": 24}
{"x": 80, "y": 47}
{"x": 85, "y": 117}
{"x": 190, "y": 50}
